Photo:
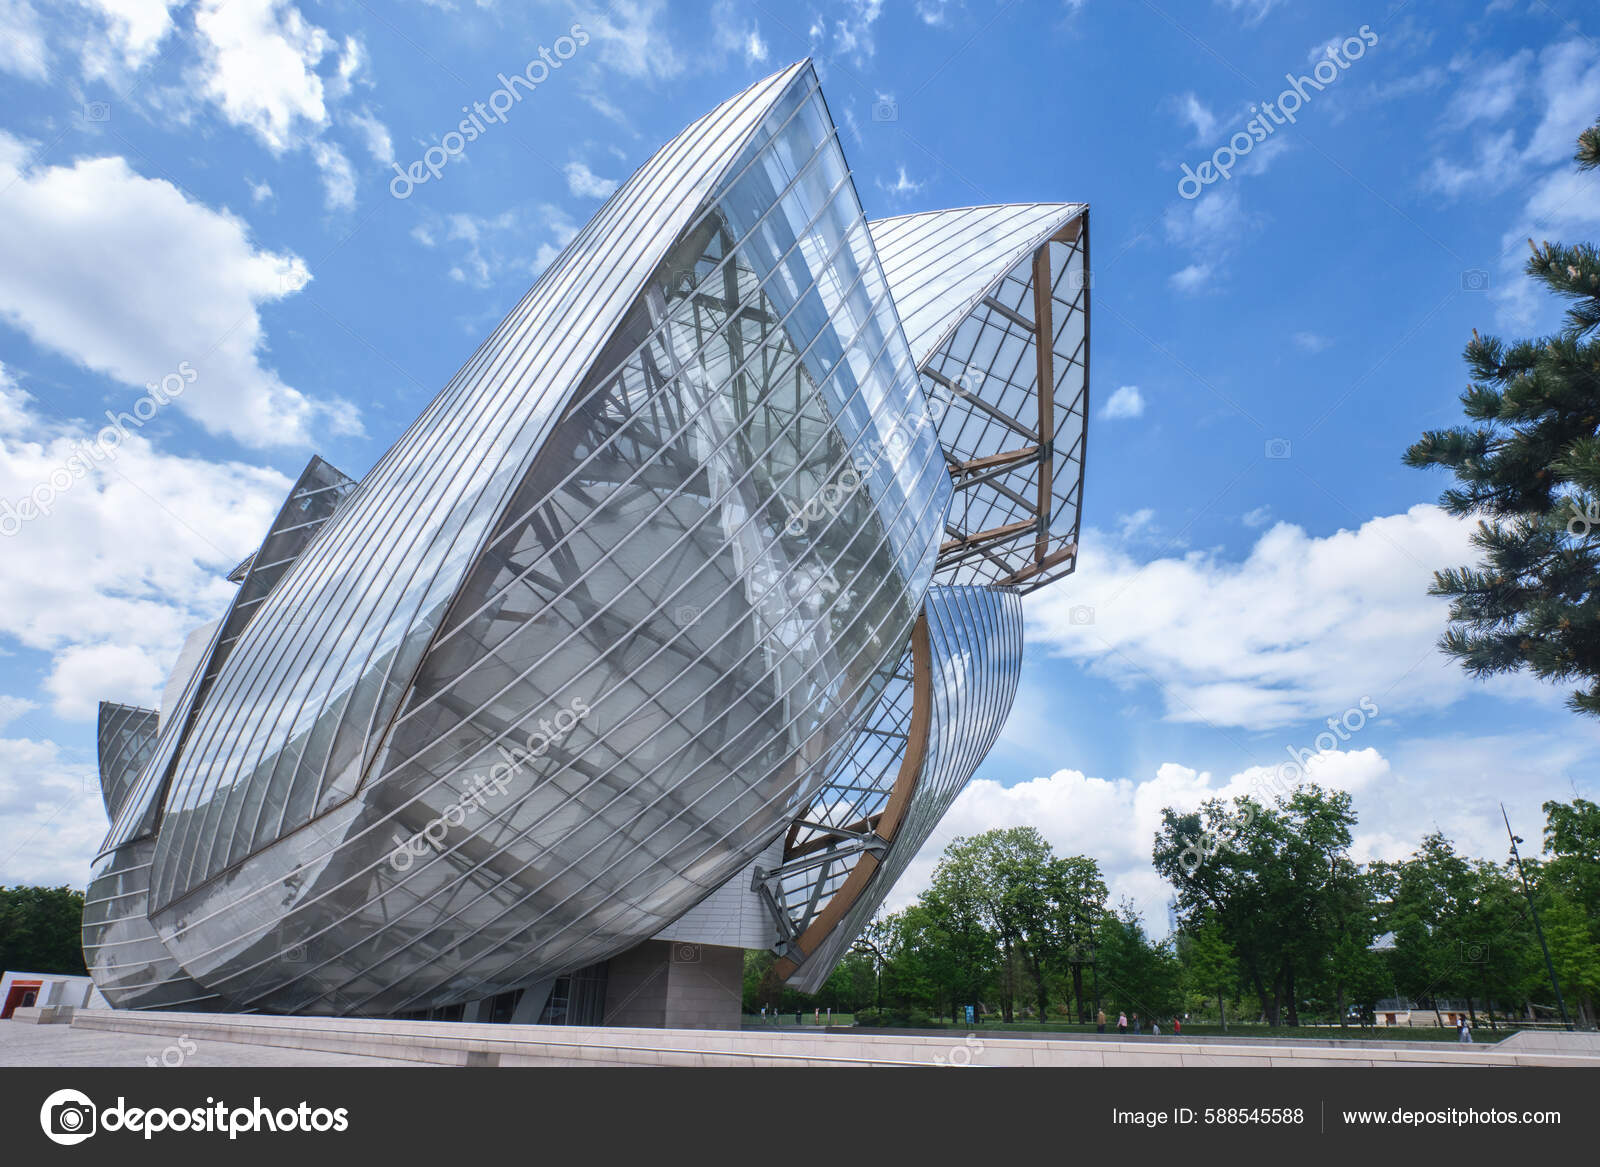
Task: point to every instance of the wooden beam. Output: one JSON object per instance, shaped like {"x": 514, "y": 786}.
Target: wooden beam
{"x": 905, "y": 784}
{"x": 989, "y": 536}
{"x": 1044, "y": 346}
{"x": 1026, "y": 454}
{"x": 1053, "y": 559}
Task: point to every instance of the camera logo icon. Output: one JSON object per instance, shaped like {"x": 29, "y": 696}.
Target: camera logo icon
{"x": 96, "y": 111}
{"x": 1080, "y": 614}
{"x": 1474, "y": 280}
{"x": 1474, "y": 952}
{"x": 1277, "y": 447}
{"x": 885, "y": 109}
{"x": 68, "y": 1117}
{"x": 685, "y": 953}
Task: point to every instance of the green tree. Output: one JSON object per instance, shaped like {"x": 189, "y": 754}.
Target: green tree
{"x": 41, "y": 930}
{"x": 1528, "y": 466}
{"x": 1137, "y": 974}
{"x": 1574, "y": 954}
{"x": 1209, "y": 962}
{"x": 1572, "y": 839}
{"x": 1077, "y": 896}
{"x": 1274, "y": 878}
{"x": 1014, "y": 886}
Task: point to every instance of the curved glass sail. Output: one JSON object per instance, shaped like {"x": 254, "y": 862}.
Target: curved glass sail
{"x": 995, "y": 303}
{"x": 931, "y": 728}
{"x": 627, "y": 610}
{"x": 671, "y": 617}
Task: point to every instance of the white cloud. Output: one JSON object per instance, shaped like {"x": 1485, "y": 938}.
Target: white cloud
{"x": 1494, "y": 167}
{"x": 22, "y": 46}
{"x": 1545, "y": 101}
{"x": 1253, "y": 11}
{"x": 130, "y": 556}
{"x": 51, "y": 815}
{"x": 12, "y": 708}
{"x": 584, "y": 183}
{"x": 128, "y": 277}
{"x": 632, "y": 41}
{"x": 1489, "y": 91}
{"x": 84, "y": 672}
{"x": 131, "y": 32}
{"x": 260, "y": 192}
{"x": 1211, "y": 228}
{"x": 1194, "y": 114}
{"x": 1258, "y": 517}
{"x": 735, "y": 35}
{"x": 1126, "y": 402}
{"x": 374, "y": 135}
{"x": 1302, "y": 627}
{"x": 490, "y": 247}
{"x": 853, "y": 31}
{"x": 607, "y": 109}
{"x": 259, "y": 61}
{"x": 338, "y": 178}
{"x": 1312, "y": 342}
{"x": 902, "y": 187}
{"x": 1191, "y": 278}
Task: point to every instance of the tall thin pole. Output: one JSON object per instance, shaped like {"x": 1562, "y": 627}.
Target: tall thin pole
{"x": 1532, "y": 908}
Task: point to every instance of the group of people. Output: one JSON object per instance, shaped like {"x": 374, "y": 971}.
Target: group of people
{"x": 1138, "y": 1026}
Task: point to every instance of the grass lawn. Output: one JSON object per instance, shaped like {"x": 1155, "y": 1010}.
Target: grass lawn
{"x": 1199, "y": 1029}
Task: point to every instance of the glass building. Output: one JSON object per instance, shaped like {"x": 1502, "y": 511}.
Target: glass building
{"x": 671, "y": 628}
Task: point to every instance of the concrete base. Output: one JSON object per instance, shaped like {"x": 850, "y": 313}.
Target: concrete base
{"x": 672, "y": 984}
{"x": 44, "y": 1014}
{"x": 460, "y": 1044}
{"x": 1558, "y": 1041}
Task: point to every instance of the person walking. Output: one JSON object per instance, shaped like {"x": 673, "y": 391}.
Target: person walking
{"x": 1122, "y": 1025}
{"x": 1100, "y": 1021}
{"x": 1138, "y": 1029}
{"x": 1464, "y": 1034}
{"x": 1177, "y": 1026}
{"x": 1155, "y": 1029}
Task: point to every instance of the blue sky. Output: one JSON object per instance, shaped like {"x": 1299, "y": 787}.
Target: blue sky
{"x": 202, "y": 191}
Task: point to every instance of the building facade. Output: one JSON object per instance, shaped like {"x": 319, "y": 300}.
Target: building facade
{"x": 671, "y": 628}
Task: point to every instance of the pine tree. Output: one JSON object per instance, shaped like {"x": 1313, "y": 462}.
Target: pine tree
{"x": 1529, "y": 468}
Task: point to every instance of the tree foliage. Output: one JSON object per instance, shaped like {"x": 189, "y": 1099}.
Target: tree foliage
{"x": 41, "y": 930}
{"x": 1528, "y": 466}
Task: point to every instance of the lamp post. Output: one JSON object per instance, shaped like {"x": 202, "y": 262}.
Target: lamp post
{"x": 1532, "y": 908}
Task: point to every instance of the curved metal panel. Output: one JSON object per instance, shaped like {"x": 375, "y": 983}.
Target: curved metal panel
{"x": 129, "y": 963}
{"x": 314, "y": 498}
{"x": 125, "y": 737}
